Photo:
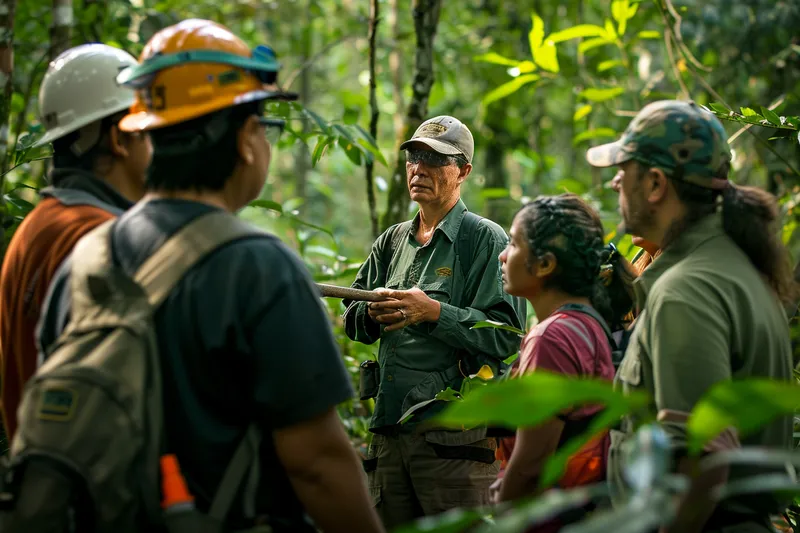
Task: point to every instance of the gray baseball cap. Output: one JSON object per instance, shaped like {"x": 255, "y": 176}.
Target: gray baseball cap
{"x": 446, "y": 135}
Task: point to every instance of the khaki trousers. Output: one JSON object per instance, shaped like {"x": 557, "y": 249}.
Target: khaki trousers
{"x": 415, "y": 475}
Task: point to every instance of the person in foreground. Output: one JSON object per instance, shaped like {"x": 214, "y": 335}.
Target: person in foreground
{"x": 243, "y": 336}
{"x": 711, "y": 303}
{"x": 554, "y": 260}
{"x": 98, "y": 172}
{"x": 441, "y": 274}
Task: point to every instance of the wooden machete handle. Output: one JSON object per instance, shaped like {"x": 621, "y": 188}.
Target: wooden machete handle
{"x": 348, "y": 293}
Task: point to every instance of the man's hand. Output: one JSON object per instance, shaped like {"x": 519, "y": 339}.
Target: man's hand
{"x": 404, "y": 308}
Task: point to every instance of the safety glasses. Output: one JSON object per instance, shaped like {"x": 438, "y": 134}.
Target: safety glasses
{"x": 273, "y": 127}
{"x": 430, "y": 158}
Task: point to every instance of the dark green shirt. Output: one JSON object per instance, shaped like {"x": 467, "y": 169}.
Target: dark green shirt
{"x": 418, "y": 361}
{"x": 707, "y": 316}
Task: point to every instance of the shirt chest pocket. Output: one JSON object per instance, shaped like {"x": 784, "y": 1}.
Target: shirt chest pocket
{"x": 630, "y": 370}
{"x": 439, "y": 288}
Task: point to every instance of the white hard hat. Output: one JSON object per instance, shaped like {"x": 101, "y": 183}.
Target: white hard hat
{"x": 79, "y": 88}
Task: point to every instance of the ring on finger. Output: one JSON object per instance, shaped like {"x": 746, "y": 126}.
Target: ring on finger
{"x": 404, "y": 315}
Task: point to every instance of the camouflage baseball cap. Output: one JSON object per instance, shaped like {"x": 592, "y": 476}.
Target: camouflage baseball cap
{"x": 446, "y": 135}
{"x": 681, "y": 138}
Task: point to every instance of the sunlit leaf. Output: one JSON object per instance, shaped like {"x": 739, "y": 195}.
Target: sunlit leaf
{"x": 484, "y": 373}
{"x": 612, "y": 33}
{"x": 596, "y": 133}
{"x": 609, "y": 64}
{"x": 267, "y": 204}
{"x": 746, "y": 111}
{"x": 581, "y": 112}
{"x": 497, "y": 59}
{"x": 509, "y": 88}
{"x": 526, "y": 66}
{"x": 649, "y": 34}
{"x": 746, "y": 405}
{"x": 771, "y": 116}
{"x": 536, "y": 35}
{"x": 575, "y": 32}
{"x": 719, "y": 108}
{"x": 601, "y": 95}
{"x": 546, "y": 56}
{"x": 497, "y": 325}
{"x": 588, "y": 44}
{"x": 619, "y": 10}
{"x": 322, "y": 143}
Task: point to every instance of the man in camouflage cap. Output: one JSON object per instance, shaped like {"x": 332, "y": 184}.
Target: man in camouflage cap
{"x": 710, "y": 304}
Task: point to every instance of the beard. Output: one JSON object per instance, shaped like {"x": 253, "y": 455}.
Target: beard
{"x": 637, "y": 217}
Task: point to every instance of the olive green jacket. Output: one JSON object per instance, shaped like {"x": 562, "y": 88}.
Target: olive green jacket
{"x": 418, "y": 361}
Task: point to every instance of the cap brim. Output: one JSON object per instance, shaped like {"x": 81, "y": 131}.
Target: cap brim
{"x": 607, "y": 155}
{"x": 438, "y": 146}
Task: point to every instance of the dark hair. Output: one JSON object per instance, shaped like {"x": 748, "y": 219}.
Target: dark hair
{"x": 94, "y": 158}
{"x": 570, "y": 229}
{"x": 750, "y": 218}
{"x": 199, "y": 154}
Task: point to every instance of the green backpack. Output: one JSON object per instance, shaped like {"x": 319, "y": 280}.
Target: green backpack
{"x": 87, "y": 452}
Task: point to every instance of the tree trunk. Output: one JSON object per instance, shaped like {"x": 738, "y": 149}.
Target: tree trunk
{"x": 7, "y": 8}
{"x": 62, "y": 27}
{"x": 302, "y": 159}
{"x": 373, "y": 119}
{"x": 396, "y": 70}
{"x": 426, "y": 19}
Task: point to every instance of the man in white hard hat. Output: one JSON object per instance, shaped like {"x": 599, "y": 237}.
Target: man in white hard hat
{"x": 98, "y": 172}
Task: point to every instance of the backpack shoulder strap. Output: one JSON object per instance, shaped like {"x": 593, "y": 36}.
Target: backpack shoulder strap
{"x": 465, "y": 245}
{"x": 592, "y": 312}
{"x": 165, "y": 268}
{"x": 70, "y": 197}
{"x": 395, "y": 240}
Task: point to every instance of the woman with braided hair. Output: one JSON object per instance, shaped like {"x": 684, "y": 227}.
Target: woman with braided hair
{"x": 554, "y": 260}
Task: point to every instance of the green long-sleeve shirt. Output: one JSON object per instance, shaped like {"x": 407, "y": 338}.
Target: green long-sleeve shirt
{"x": 418, "y": 361}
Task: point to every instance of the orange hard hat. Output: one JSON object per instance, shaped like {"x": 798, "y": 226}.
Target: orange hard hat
{"x": 193, "y": 68}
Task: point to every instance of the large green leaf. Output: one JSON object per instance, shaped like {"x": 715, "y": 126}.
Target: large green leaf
{"x": 452, "y": 521}
{"x": 535, "y": 398}
{"x": 576, "y": 32}
{"x": 601, "y": 95}
{"x": 771, "y": 116}
{"x": 509, "y": 88}
{"x": 746, "y": 405}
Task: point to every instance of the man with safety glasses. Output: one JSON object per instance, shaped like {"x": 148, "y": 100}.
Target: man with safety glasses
{"x": 243, "y": 338}
{"x": 440, "y": 274}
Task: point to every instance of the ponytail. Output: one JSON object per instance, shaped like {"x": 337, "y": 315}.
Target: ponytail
{"x": 612, "y": 294}
{"x": 750, "y": 218}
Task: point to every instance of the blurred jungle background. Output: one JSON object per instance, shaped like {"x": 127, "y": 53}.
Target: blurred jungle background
{"x": 537, "y": 82}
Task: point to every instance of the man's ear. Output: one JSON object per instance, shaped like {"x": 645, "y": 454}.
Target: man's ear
{"x": 656, "y": 185}
{"x": 246, "y": 137}
{"x": 546, "y": 265}
{"x": 464, "y": 172}
{"x": 118, "y": 142}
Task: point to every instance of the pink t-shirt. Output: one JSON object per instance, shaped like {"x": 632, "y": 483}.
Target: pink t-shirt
{"x": 567, "y": 342}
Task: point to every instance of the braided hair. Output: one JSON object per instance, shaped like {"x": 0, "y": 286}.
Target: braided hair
{"x": 570, "y": 229}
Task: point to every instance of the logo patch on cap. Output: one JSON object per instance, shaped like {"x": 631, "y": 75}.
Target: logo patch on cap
{"x": 431, "y": 130}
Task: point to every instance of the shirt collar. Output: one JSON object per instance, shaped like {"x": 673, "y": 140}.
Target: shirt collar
{"x": 687, "y": 242}
{"x": 449, "y": 224}
{"x": 73, "y": 178}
